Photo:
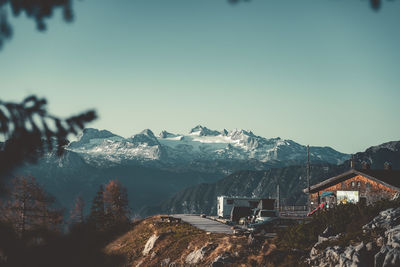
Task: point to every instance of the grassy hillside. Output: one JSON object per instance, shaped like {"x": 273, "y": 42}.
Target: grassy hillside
{"x": 177, "y": 240}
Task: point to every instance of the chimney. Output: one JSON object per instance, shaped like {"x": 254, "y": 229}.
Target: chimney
{"x": 387, "y": 166}
{"x": 352, "y": 162}
{"x": 365, "y": 165}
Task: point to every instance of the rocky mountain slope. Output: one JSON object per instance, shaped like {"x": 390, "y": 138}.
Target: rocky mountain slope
{"x": 292, "y": 179}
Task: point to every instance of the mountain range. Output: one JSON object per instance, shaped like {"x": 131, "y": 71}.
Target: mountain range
{"x": 154, "y": 168}
{"x": 104, "y": 148}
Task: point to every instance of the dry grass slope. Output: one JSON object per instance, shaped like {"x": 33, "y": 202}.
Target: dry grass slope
{"x": 177, "y": 240}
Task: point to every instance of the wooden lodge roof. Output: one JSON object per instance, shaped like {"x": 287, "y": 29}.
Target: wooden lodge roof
{"x": 389, "y": 178}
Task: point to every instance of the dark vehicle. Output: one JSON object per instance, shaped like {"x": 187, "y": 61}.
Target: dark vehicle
{"x": 240, "y": 212}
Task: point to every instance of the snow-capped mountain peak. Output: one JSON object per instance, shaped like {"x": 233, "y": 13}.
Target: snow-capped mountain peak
{"x": 91, "y": 133}
{"x": 145, "y": 137}
{"x": 92, "y": 137}
{"x": 200, "y": 144}
{"x": 203, "y": 131}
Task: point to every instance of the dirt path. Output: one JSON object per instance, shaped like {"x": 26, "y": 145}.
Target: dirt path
{"x": 204, "y": 223}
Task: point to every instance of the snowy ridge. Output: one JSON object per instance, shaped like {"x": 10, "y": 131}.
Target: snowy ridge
{"x": 200, "y": 143}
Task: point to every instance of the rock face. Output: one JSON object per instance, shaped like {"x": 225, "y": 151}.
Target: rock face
{"x": 337, "y": 256}
{"x": 389, "y": 254}
{"x": 150, "y": 244}
{"x": 383, "y": 252}
{"x": 386, "y": 219}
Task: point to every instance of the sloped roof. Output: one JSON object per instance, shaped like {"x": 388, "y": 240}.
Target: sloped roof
{"x": 389, "y": 178}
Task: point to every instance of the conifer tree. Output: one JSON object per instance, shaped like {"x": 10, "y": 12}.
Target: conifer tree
{"x": 30, "y": 131}
{"x": 97, "y": 214}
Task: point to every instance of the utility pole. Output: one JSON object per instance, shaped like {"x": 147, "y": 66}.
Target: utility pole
{"x": 352, "y": 162}
{"x": 278, "y": 205}
{"x": 308, "y": 177}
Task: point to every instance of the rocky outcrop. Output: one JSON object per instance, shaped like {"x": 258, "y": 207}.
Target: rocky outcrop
{"x": 150, "y": 244}
{"x": 384, "y": 251}
{"x": 389, "y": 255}
{"x": 386, "y": 219}
{"x": 341, "y": 257}
{"x": 197, "y": 255}
{"x": 226, "y": 259}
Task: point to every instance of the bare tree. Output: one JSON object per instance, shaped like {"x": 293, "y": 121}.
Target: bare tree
{"x": 116, "y": 202}
{"x": 29, "y": 207}
{"x": 76, "y": 213}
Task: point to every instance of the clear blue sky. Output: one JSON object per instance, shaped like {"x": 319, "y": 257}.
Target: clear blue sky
{"x": 323, "y": 72}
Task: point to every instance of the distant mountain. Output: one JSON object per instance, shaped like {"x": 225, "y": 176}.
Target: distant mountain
{"x": 70, "y": 176}
{"x": 102, "y": 147}
{"x": 292, "y": 179}
{"x": 376, "y": 156}
{"x": 153, "y": 168}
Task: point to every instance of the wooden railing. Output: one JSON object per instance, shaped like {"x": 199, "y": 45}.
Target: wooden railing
{"x": 293, "y": 208}
{"x": 293, "y": 211}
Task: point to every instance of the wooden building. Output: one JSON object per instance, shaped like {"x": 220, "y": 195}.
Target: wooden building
{"x": 356, "y": 185}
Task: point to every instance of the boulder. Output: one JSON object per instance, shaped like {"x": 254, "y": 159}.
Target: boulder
{"x": 196, "y": 256}
{"x": 389, "y": 255}
{"x": 226, "y": 259}
{"x": 386, "y": 219}
{"x": 150, "y": 244}
{"x": 165, "y": 262}
{"x": 341, "y": 257}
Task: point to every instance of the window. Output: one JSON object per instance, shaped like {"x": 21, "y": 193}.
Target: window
{"x": 267, "y": 213}
{"x": 352, "y": 184}
{"x": 358, "y": 183}
{"x": 343, "y": 185}
{"x": 229, "y": 201}
{"x": 368, "y": 185}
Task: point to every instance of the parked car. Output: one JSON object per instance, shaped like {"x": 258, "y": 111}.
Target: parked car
{"x": 265, "y": 220}
{"x": 266, "y": 216}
